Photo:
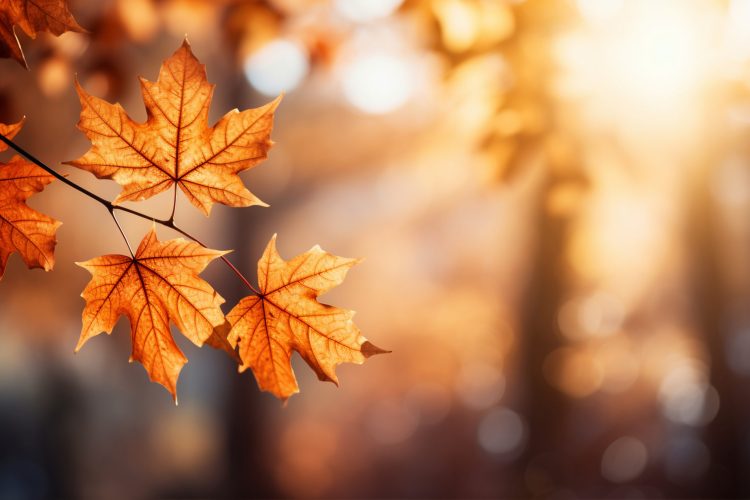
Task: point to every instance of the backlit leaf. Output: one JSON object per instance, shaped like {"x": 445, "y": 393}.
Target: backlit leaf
{"x": 159, "y": 285}
{"x": 23, "y": 229}
{"x": 176, "y": 146}
{"x": 287, "y": 317}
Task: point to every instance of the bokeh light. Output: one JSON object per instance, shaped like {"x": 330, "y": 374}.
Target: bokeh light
{"x": 501, "y": 431}
{"x": 280, "y": 66}
{"x": 624, "y": 460}
{"x": 551, "y": 198}
{"x": 366, "y": 10}
{"x": 378, "y": 83}
{"x": 687, "y": 460}
{"x": 600, "y": 11}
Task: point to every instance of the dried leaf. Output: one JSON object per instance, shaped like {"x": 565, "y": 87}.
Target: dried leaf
{"x": 23, "y": 229}
{"x": 9, "y": 131}
{"x": 160, "y": 284}
{"x": 176, "y": 146}
{"x": 32, "y": 16}
{"x": 287, "y": 317}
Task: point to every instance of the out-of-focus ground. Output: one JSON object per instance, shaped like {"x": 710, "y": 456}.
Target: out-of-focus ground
{"x": 552, "y": 197}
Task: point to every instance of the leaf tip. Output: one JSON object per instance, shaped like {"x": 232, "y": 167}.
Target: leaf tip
{"x": 81, "y": 341}
{"x": 284, "y": 397}
{"x": 369, "y": 349}
{"x": 78, "y": 86}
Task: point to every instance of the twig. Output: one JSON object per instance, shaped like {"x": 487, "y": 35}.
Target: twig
{"x": 111, "y": 207}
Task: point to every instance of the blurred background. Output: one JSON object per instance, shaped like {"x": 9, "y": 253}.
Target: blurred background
{"x": 552, "y": 199}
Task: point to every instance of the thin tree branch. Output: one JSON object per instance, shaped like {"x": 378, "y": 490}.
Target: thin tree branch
{"x": 239, "y": 274}
{"x": 53, "y": 173}
{"x": 111, "y": 207}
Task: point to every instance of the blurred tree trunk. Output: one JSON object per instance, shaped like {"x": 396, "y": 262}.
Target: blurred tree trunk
{"x": 543, "y": 464}
{"x": 543, "y": 467}
{"x": 725, "y": 438}
{"x": 250, "y": 470}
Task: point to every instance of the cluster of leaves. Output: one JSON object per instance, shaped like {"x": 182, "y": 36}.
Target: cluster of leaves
{"x": 158, "y": 284}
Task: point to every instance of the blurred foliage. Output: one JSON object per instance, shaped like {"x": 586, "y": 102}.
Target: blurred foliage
{"x": 552, "y": 198}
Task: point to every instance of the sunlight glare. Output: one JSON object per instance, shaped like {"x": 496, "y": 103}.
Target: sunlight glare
{"x": 737, "y": 35}
{"x": 656, "y": 54}
{"x": 363, "y": 11}
{"x": 599, "y": 11}
{"x": 657, "y": 58}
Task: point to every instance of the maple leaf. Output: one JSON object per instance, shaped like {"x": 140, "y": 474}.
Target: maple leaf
{"x": 286, "y": 317}
{"x": 158, "y": 285}
{"x": 9, "y": 131}
{"x": 32, "y": 16}
{"x": 23, "y": 229}
{"x": 176, "y": 146}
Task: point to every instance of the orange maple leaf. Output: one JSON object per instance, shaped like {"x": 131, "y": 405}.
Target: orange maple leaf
{"x": 286, "y": 317}
{"x": 32, "y": 16}
{"x": 10, "y": 132}
{"x": 158, "y": 285}
{"x": 176, "y": 146}
{"x": 23, "y": 229}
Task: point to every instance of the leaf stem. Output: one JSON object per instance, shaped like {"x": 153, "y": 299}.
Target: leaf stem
{"x": 111, "y": 207}
{"x": 174, "y": 204}
{"x": 171, "y": 225}
{"x": 117, "y": 223}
